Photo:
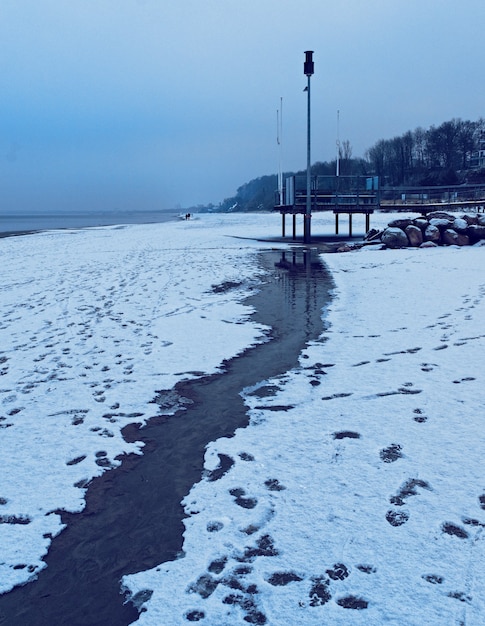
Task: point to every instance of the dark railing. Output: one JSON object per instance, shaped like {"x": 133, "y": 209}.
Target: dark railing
{"x": 362, "y": 194}
{"x": 342, "y": 194}
{"x": 440, "y": 194}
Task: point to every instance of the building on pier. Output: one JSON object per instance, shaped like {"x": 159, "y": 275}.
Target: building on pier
{"x": 347, "y": 195}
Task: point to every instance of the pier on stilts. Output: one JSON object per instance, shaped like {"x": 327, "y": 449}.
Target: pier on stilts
{"x": 362, "y": 195}
{"x": 344, "y": 195}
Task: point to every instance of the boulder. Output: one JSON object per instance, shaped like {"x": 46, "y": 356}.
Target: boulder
{"x": 451, "y": 238}
{"x": 438, "y": 228}
{"x": 463, "y": 240}
{"x": 400, "y": 223}
{"x": 414, "y": 235}
{"x": 373, "y": 233}
{"x": 441, "y": 222}
{"x": 469, "y": 219}
{"x": 421, "y": 222}
{"x": 394, "y": 238}
{"x": 440, "y": 215}
{"x": 432, "y": 233}
{"x": 460, "y": 225}
{"x": 476, "y": 232}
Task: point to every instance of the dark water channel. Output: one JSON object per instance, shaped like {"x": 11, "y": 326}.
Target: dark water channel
{"x": 133, "y": 516}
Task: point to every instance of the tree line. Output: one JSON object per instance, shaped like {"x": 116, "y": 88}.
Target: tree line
{"x": 439, "y": 155}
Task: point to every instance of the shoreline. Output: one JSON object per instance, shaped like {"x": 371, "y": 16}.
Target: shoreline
{"x": 19, "y": 233}
{"x": 79, "y": 221}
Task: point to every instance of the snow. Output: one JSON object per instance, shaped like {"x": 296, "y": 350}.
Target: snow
{"x": 361, "y": 503}
{"x": 92, "y": 323}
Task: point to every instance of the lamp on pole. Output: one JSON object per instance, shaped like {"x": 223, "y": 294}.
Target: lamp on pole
{"x": 308, "y": 71}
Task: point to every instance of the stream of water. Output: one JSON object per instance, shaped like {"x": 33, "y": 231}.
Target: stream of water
{"x": 133, "y": 516}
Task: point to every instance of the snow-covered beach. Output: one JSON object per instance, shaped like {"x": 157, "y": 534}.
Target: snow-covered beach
{"x": 357, "y": 492}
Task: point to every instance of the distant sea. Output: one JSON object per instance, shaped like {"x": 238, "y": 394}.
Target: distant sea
{"x": 24, "y": 223}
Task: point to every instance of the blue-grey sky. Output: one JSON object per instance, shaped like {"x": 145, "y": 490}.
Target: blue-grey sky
{"x": 149, "y": 104}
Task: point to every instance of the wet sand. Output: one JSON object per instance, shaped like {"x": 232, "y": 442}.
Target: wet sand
{"x": 133, "y": 516}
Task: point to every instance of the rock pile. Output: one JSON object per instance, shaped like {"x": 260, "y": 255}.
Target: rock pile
{"x": 436, "y": 229}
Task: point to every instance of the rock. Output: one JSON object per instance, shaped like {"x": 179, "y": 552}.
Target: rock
{"x": 460, "y": 225}
{"x": 432, "y": 233}
{"x": 440, "y": 215}
{"x": 344, "y": 248}
{"x": 421, "y": 222}
{"x": 394, "y": 238}
{"x": 451, "y": 238}
{"x": 414, "y": 235}
{"x": 441, "y": 222}
{"x": 374, "y": 245}
{"x": 470, "y": 219}
{"x": 372, "y": 234}
{"x": 400, "y": 223}
{"x": 436, "y": 229}
{"x": 476, "y": 232}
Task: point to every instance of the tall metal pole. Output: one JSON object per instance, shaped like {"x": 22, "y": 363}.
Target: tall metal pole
{"x": 338, "y": 143}
{"x": 308, "y": 70}
{"x": 279, "y": 141}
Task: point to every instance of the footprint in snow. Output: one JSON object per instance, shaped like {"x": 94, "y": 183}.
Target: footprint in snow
{"x": 353, "y": 602}
{"x": 409, "y": 488}
{"x": 419, "y": 417}
{"x": 428, "y": 367}
{"x": 245, "y": 456}
{"x": 391, "y": 454}
{"x": 225, "y": 464}
{"x": 434, "y": 579}
{"x": 397, "y": 518}
{"x": 337, "y": 395}
{"x": 281, "y": 579}
{"x": 244, "y": 502}
{"x": 273, "y": 484}
{"x": 346, "y": 434}
{"x": 454, "y": 530}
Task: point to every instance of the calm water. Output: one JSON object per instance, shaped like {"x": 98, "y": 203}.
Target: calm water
{"x": 38, "y": 221}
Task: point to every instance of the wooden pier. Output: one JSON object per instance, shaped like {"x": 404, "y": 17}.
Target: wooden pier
{"x": 347, "y": 195}
{"x": 361, "y": 195}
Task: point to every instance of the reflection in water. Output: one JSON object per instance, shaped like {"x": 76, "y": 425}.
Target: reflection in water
{"x": 133, "y": 515}
{"x": 304, "y": 277}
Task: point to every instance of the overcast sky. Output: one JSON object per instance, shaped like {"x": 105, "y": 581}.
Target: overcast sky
{"x": 146, "y": 104}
